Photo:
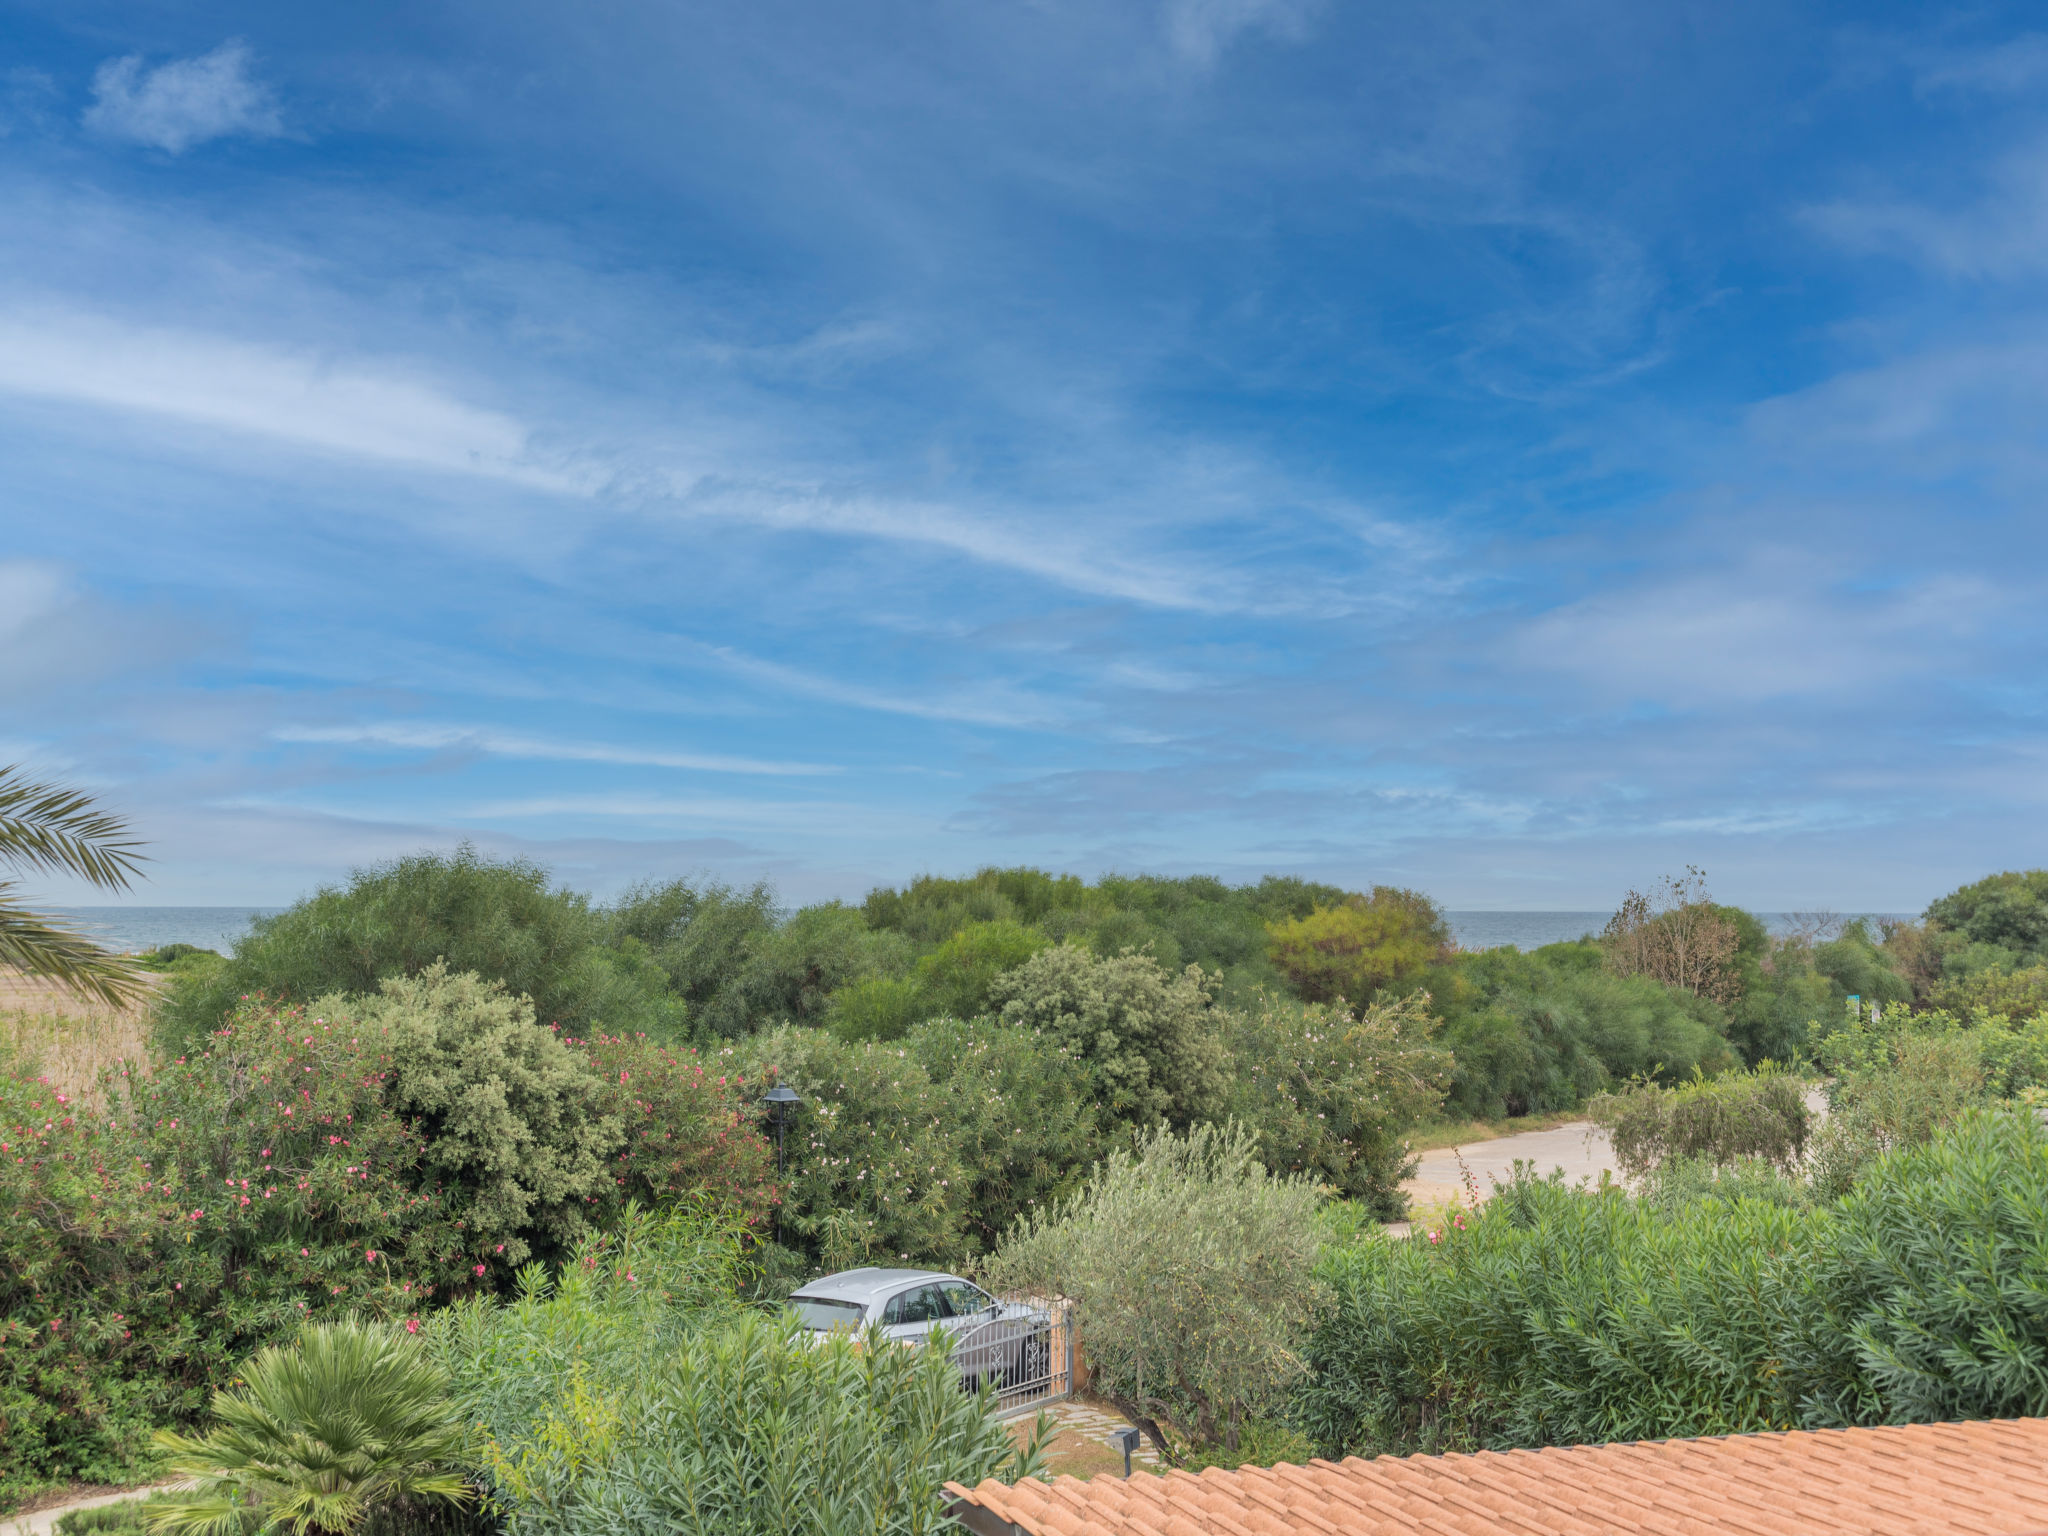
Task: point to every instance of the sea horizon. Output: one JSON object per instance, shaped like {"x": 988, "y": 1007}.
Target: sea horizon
{"x": 126, "y": 929}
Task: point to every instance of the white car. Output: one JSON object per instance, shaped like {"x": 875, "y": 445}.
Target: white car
{"x": 1004, "y": 1342}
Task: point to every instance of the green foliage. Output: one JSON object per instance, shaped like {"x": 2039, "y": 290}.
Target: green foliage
{"x": 1718, "y": 1121}
{"x": 958, "y": 974}
{"x": 1895, "y": 1088}
{"x": 874, "y": 1170}
{"x": 2021, "y": 994}
{"x": 2008, "y": 912}
{"x": 146, "y": 1248}
{"x": 1858, "y": 966}
{"x": 500, "y": 920}
{"x": 1145, "y": 1039}
{"x": 1936, "y": 1275}
{"x": 1023, "y": 1125}
{"x": 1543, "y": 1031}
{"x": 350, "y": 1419}
{"x": 511, "y": 1114}
{"x": 1556, "y": 1317}
{"x": 1191, "y": 1264}
{"x": 1355, "y": 951}
{"x": 877, "y": 1008}
{"x": 1328, "y": 1094}
{"x": 632, "y": 1394}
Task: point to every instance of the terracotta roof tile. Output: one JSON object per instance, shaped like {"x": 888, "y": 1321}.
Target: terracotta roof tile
{"x": 1988, "y": 1478}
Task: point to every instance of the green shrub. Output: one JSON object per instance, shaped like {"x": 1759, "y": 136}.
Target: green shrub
{"x": 349, "y": 1420}
{"x": 1713, "y": 1120}
{"x": 1328, "y": 1094}
{"x": 1191, "y": 1264}
{"x": 1544, "y": 1031}
{"x": 958, "y": 974}
{"x": 500, "y": 920}
{"x": 127, "y": 1517}
{"x": 877, "y": 1008}
{"x": 1146, "y": 1039}
{"x": 1558, "y": 1317}
{"x": 2016, "y": 994}
{"x": 790, "y": 972}
{"x": 1936, "y": 1274}
{"x": 1023, "y": 1126}
{"x": 1679, "y": 1181}
{"x": 2007, "y": 913}
{"x": 1893, "y": 1088}
{"x": 632, "y": 1395}
{"x": 1361, "y": 948}
{"x": 874, "y": 1169}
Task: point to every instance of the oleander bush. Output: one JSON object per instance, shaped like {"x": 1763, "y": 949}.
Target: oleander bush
{"x": 1557, "y": 1316}
{"x": 631, "y": 1393}
{"x": 1327, "y": 1093}
{"x": 375, "y": 1159}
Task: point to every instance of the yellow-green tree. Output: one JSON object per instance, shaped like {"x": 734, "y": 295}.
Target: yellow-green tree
{"x": 1382, "y": 943}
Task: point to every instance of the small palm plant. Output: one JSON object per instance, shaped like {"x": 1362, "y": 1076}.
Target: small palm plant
{"x": 352, "y": 1419}
{"x": 48, "y": 827}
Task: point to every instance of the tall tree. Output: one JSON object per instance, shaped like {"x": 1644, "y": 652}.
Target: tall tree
{"x": 57, "y": 830}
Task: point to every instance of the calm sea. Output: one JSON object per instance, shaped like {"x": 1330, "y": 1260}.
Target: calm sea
{"x": 131, "y": 928}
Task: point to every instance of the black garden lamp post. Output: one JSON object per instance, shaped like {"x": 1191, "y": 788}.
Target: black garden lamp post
{"x": 782, "y": 1101}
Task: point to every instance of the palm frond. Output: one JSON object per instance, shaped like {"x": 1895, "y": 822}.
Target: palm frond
{"x": 36, "y": 946}
{"x": 49, "y": 827}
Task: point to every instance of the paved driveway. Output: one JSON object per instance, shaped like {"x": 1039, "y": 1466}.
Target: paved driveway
{"x": 1581, "y": 1148}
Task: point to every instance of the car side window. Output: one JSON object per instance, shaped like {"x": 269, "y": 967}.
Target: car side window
{"x": 919, "y": 1306}
{"x": 963, "y": 1300}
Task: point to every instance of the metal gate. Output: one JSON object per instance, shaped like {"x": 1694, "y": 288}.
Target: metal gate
{"x": 1026, "y": 1353}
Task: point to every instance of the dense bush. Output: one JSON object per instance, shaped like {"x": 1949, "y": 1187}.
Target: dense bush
{"x": 1328, "y": 1094}
{"x": 1360, "y": 948}
{"x": 283, "y": 1173}
{"x": 1935, "y": 1279}
{"x": 1191, "y": 1265}
{"x": 1546, "y": 1030}
{"x": 501, "y": 920}
{"x": 1718, "y": 1121}
{"x": 1554, "y": 1316}
{"x": 632, "y": 1396}
{"x": 1145, "y": 1038}
{"x": 926, "y": 1147}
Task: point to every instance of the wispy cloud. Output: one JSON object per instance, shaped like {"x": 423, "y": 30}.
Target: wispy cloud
{"x": 185, "y": 102}
{"x": 462, "y": 738}
{"x": 1200, "y": 30}
{"x": 381, "y": 412}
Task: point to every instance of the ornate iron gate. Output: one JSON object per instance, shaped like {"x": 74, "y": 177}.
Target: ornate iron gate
{"x": 1027, "y": 1355}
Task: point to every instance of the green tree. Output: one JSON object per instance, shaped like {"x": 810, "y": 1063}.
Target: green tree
{"x": 958, "y": 974}
{"x": 502, "y": 920}
{"x": 1328, "y": 1094}
{"x": 1384, "y": 942}
{"x": 1146, "y": 1039}
{"x": 56, "y": 830}
{"x": 351, "y": 1420}
{"x": 1193, "y": 1267}
{"x": 2007, "y": 911}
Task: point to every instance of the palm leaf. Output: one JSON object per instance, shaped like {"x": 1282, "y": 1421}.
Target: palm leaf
{"x": 58, "y": 830}
{"x": 36, "y": 946}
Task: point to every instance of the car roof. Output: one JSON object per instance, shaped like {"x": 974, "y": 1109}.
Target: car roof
{"x": 865, "y": 1284}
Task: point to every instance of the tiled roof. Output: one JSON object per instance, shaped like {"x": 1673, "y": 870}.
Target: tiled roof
{"x": 1988, "y": 1478}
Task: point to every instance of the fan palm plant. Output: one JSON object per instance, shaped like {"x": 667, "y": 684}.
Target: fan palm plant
{"x": 351, "y": 1419}
{"x": 48, "y": 827}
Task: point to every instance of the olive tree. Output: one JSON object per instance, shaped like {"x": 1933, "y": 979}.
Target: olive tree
{"x": 1191, "y": 1266}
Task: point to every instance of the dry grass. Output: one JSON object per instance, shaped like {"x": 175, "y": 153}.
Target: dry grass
{"x": 1464, "y": 1133}
{"x": 48, "y": 1032}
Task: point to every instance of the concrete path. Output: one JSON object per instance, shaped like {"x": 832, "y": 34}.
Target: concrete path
{"x": 1581, "y": 1148}
{"x": 43, "y": 1520}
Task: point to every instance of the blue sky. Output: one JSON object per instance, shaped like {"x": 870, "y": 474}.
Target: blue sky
{"x": 1511, "y": 451}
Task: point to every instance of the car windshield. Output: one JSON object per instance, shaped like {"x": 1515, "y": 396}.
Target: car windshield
{"x": 823, "y": 1316}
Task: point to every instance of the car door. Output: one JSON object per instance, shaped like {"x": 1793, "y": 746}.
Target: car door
{"x": 910, "y": 1314}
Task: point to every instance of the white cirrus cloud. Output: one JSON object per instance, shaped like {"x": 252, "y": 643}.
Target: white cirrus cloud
{"x": 352, "y": 408}
{"x": 460, "y": 738}
{"x": 185, "y": 102}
